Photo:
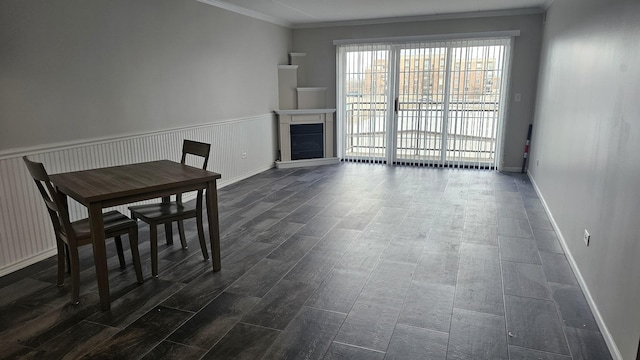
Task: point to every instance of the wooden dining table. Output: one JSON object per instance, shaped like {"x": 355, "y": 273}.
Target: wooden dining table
{"x": 117, "y": 185}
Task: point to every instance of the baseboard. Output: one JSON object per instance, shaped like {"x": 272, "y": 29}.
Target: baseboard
{"x": 28, "y": 261}
{"x": 47, "y": 254}
{"x": 611, "y": 344}
{"x": 307, "y": 162}
{"x": 511, "y": 169}
{"x": 222, "y": 184}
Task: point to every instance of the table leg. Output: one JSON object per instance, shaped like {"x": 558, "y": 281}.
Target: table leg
{"x": 100, "y": 254}
{"x": 214, "y": 226}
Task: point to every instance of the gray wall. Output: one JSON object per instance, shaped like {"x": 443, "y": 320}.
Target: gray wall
{"x": 586, "y": 134}
{"x": 321, "y": 60}
{"x": 77, "y": 69}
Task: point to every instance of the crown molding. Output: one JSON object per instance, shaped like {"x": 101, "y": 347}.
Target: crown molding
{"x": 246, "y": 12}
{"x": 450, "y": 16}
{"x": 465, "y": 15}
{"x": 547, "y": 4}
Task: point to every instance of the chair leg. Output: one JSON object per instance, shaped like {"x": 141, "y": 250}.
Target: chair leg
{"x": 153, "y": 235}
{"x": 62, "y": 258}
{"x": 75, "y": 275}
{"x": 168, "y": 233}
{"x": 133, "y": 243}
{"x": 68, "y": 259}
{"x": 203, "y": 244}
{"x": 118, "y": 241}
{"x": 183, "y": 238}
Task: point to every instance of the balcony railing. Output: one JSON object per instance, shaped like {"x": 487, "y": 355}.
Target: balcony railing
{"x": 470, "y": 133}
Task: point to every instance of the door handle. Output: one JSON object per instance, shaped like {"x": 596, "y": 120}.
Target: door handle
{"x": 396, "y": 105}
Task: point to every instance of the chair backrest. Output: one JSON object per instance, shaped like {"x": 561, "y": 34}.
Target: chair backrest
{"x": 52, "y": 199}
{"x": 196, "y": 148}
{"x": 190, "y": 147}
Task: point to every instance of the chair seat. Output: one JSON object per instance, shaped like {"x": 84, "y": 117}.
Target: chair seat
{"x": 114, "y": 221}
{"x": 163, "y": 211}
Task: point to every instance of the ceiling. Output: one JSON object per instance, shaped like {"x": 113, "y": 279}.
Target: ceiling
{"x": 302, "y": 13}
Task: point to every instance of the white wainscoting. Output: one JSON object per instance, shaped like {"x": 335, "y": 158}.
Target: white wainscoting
{"x": 26, "y": 234}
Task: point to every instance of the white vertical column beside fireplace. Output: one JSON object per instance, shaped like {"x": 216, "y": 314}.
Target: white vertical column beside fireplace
{"x": 286, "y": 118}
{"x": 303, "y": 108}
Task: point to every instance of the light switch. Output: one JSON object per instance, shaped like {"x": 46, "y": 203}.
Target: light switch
{"x": 518, "y": 97}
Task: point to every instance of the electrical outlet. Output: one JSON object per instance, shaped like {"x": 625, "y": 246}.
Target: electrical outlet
{"x": 244, "y": 155}
{"x": 587, "y": 237}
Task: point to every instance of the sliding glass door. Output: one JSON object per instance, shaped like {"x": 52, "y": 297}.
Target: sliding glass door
{"x": 420, "y": 115}
{"x": 366, "y": 102}
{"x": 424, "y": 103}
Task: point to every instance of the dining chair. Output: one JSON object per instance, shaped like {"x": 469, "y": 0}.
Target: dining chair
{"x": 168, "y": 211}
{"x": 71, "y": 235}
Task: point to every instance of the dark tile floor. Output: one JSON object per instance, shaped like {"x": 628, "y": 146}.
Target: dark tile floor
{"x": 351, "y": 261}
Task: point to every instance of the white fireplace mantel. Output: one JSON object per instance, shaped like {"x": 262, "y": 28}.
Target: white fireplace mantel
{"x": 286, "y": 118}
{"x": 304, "y": 111}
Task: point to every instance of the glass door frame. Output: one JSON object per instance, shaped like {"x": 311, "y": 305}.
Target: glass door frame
{"x": 392, "y": 154}
{"x": 341, "y": 104}
{"x": 395, "y": 44}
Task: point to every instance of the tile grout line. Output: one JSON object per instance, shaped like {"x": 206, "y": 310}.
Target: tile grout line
{"x": 455, "y": 292}
{"x": 227, "y": 332}
{"x": 356, "y": 299}
{"x": 283, "y": 276}
{"x": 504, "y": 296}
{"x": 205, "y": 305}
{"x": 359, "y": 347}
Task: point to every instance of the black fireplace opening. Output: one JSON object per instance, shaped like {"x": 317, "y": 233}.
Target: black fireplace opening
{"x": 307, "y": 141}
